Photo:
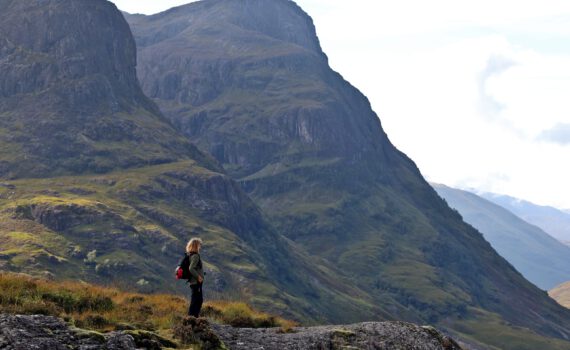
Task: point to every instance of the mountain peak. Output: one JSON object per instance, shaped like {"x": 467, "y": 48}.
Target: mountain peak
{"x": 70, "y": 101}
{"x": 85, "y": 43}
{"x": 280, "y": 20}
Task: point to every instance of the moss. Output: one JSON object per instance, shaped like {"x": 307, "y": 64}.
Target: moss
{"x": 53, "y": 201}
{"x": 88, "y": 334}
{"x": 141, "y": 337}
{"x": 343, "y": 333}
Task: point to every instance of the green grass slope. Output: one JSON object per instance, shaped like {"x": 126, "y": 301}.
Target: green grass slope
{"x": 247, "y": 82}
{"x": 129, "y": 228}
{"x": 539, "y": 257}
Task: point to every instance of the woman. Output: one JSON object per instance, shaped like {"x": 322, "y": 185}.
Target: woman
{"x": 196, "y": 275}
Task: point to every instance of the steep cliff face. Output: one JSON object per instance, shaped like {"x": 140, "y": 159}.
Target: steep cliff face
{"x": 70, "y": 101}
{"x": 307, "y": 147}
{"x": 97, "y": 185}
{"x": 228, "y": 52}
{"x": 51, "y": 48}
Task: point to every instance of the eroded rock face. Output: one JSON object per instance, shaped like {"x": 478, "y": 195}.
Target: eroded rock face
{"x": 49, "y": 42}
{"x": 367, "y": 335}
{"x": 70, "y": 101}
{"x": 61, "y": 217}
{"x": 217, "y": 198}
{"x": 267, "y": 52}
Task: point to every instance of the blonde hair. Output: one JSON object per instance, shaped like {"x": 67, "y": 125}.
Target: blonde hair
{"x": 193, "y": 245}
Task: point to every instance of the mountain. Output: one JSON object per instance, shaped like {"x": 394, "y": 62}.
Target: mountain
{"x": 554, "y": 221}
{"x": 561, "y": 294}
{"x": 70, "y": 102}
{"x": 97, "y": 185}
{"x": 540, "y": 258}
{"x": 248, "y": 82}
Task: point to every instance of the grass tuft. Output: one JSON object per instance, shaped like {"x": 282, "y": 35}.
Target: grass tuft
{"x": 240, "y": 314}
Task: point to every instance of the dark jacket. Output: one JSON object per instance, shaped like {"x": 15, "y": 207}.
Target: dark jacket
{"x": 195, "y": 268}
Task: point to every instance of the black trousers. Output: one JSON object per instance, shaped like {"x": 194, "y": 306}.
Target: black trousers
{"x": 196, "y": 300}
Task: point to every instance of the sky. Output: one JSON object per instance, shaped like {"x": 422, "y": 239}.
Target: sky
{"x": 477, "y": 93}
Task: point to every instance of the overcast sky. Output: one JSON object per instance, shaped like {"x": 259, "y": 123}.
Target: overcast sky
{"x": 477, "y": 93}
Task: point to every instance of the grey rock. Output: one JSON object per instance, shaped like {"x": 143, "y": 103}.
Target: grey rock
{"x": 38, "y": 332}
{"x": 18, "y": 332}
{"x": 366, "y": 335}
{"x": 120, "y": 341}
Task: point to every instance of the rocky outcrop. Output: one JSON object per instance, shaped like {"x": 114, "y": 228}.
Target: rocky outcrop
{"x": 217, "y": 198}
{"x": 367, "y": 335}
{"x": 63, "y": 216}
{"x": 19, "y": 332}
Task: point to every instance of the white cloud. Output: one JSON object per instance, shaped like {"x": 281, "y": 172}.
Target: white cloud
{"x": 496, "y": 65}
{"x": 560, "y": 134}
{"x": 429, "y": 82}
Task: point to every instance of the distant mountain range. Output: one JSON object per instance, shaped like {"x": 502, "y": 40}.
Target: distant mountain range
{"x": 555, "y": 222}
{"x": 542, "y": 259}
{"x": 252, "y": 142}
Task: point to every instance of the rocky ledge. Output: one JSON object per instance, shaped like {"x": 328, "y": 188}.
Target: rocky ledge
{"x": 40, "y": 332}
{"x": 364, "y": 336}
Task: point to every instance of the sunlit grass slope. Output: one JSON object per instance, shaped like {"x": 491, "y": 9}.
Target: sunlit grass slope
{"x": 129, "y": 228}
{"x": 561, "y": 294}
{"x": 101, "y": 309}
